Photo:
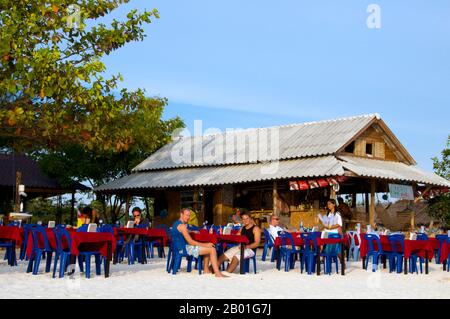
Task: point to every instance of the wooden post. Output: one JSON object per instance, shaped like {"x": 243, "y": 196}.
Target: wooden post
{"x": 17, "y": 198}
{"x": 366, "y": 202}
{"x": 372, "y": 203}
{"x": 354, "y": 200}
{"x": 72, "y": 208}
{"x": 127, "y": 207}
{"x": 413, "y": 221}
{"x": 274, "y": 197}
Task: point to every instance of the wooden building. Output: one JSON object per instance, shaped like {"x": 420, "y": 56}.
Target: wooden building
{"x": 288, "y": 170}
{"x": 16, "y": 169}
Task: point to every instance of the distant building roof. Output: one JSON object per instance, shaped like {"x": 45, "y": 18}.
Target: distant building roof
{"x": 295, "y": 141}
{"x": 32, "y": 176}
{"x": 302, "y": 151}
{"x": 229, "y": 174}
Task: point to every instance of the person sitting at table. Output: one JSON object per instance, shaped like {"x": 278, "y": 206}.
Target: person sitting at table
{"x": 345, "y": 211}
{"x": 139, "y": 221}
{"x": 89, "y": 215}
{"x": 236, "y": 217}
{"x": 195, "y": 248}
{"x": 253, "y": 234}
{"x": 274, "y": 227}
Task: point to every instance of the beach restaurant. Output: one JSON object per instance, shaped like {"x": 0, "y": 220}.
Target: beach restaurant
{"x": 289, "y": 170}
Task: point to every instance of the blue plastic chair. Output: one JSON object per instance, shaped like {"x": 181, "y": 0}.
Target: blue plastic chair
{"x": 10, "y": 253}
{"x": 192, "y": 228}
{"x": 448, "y": 259}
{"x": 331, "y": 253}
{"x": 85, "y": 257}
{"x": 106, "y": 228}
{"x": 268, "y": 244}
{"x": 397, "y": 252}
{"x": 374, "y": 253}
{"x": 83, "y": 228}
{"x": 37, "y": 252}
{"x": 309, "y": 254}
{"x": 23, "y": 247}
{"x": 354, "y": 248}
{"x": 247, "y": 262}
{"x": 415, "y": 258}
{"x": 437, "y": 253}
{"x": 62, "y": 254}
{"x": 177, "y": 252}
{"x": 288, "y": 252}
{"x": 151, "y": 245}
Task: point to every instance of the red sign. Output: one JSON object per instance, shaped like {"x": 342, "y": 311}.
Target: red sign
{"x": 323, "y": 182}
{"x": 303, "y": 185}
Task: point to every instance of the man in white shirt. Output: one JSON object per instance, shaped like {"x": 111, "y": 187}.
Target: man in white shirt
{"x": 274, "y": 226}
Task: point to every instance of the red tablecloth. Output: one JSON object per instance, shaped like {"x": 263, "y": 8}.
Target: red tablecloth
{"x": 445, "y": 250}
{"x": 419, "y": 247}
{"x": 92, "y": 242}
{"x": 214, "y": 238}
{"x": 130, "y": 231}
{"x": 298, "y": 241}
{"x": 204, "y": 237}
{"x": 12, "y": 233}
{"x": 51, "y": 240}
{"x": 158, "y": 234}
{"x": 151, "y": 233}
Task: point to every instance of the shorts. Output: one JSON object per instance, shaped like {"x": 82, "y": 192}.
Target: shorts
{"x": 236, "y": 252}
{"x": 193, "y": 250}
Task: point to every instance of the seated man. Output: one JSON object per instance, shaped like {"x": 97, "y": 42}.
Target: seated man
{"x": 236, "y": 217}
{"x": 194, "y": 248}
{"x": 274, "y": 226}
{"x": 345, "y": 211}
{"x": 253, "y": 234}
{"x": 139, "y": 221}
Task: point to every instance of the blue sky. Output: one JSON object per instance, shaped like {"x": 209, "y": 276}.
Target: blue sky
{"x": 257, "y": 63}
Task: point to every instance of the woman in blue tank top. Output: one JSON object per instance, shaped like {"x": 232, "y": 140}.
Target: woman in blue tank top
{"x": 181, "y": 239}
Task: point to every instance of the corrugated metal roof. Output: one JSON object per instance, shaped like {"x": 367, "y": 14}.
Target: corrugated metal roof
{"x": 230, "y": 174}
{"x": 295, "y": 141}
{"x": 391, "y": 170}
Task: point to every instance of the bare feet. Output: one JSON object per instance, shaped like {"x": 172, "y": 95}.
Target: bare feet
{"x": 220, "y": 275}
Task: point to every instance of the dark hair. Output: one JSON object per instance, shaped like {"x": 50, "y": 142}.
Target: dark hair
{"x": 340, "y": 200}
{"x": 183, "y": 209}
{"x": 245, "y": 213}
{"x": 87, "y": 211}
{"x": 332, "y": 201}
{"x": 136, "y": 209}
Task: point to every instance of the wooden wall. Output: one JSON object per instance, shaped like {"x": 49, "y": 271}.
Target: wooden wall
{"x": 380, "y": 149}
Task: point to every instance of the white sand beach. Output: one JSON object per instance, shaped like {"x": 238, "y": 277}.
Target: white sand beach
{"x": 152, "y": 281}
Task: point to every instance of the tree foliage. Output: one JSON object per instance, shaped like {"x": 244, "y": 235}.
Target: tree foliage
{"x": 439, "y": 207}
{"x": 52, "y": 89}
{"x": 57, "y": 105}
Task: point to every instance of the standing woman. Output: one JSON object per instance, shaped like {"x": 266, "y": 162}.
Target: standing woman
{"x": 333, "y": 225}
{"x": 334, "y": 218}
